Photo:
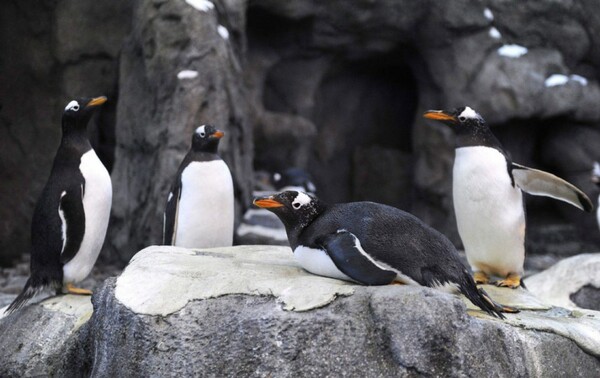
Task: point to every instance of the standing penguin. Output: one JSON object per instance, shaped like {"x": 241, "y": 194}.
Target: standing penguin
{"x": 372, "y": 244}
{"x": 488, "y": 201}
{"x": 199, "y": 210}
{"x": 71, "y": 215}
{"x": 596, "y": 180}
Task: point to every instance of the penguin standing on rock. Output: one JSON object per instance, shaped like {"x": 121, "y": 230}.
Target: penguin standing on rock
{"x": 71, "y": 215}
{"x": 372, "y": 244}
{"x": 596, "y": 180}
{"x": 488, "y": 201}
{"x": 199, "y": 211}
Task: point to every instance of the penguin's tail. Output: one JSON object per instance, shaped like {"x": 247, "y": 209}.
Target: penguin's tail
{"x": 482, "y": 299}
{"x": 29, "y": 291}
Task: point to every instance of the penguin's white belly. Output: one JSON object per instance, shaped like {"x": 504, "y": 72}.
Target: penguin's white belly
{"x": 489, "y": 211}
{"x": 206, "y": 209}
{"x": 97, "y": 201}
{"x": 598, "y": 212}
{"x": 318, "y": 262}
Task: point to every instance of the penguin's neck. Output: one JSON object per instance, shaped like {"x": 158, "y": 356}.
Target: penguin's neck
{"x": 75, "y": 141}
{"x": 478, "y": 137}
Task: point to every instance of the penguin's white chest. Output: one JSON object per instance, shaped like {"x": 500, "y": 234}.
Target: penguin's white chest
{"x": 97, "y": 201}
{"x": 318, "y": 262}
{"x": 489, "y": 211}
{"x": 206, "y": 206}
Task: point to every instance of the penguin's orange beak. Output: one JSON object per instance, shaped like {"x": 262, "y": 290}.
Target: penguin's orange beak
{"x": 97, "y": 101}
{"x": 218, "y": 134}
{"x": 267, "y": 202}
{"x": 439, "y": 115}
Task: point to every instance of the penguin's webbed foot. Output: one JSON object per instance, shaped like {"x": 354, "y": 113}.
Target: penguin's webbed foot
{"x": 481, "y": 278}
{"x": 76, "y": 290}
{"x": 512, "y": 280}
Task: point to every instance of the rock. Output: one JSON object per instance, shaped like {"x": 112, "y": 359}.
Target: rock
{"x": 572, "y": 283}
{"x": 223, "y": 311}
{"x": 157, "y": 111}
{"x": 35, "y": 340}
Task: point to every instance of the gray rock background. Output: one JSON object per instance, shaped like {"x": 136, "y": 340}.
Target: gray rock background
{"x": 335, "y": 87}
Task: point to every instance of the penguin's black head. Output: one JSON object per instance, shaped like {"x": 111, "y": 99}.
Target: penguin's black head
{"x": 462, "y": 120}
{"x": 78, "y": 112}
{"x": 295, "y": 209}
{"x": 206, "y": 139}
{"x": 469, "y": 126}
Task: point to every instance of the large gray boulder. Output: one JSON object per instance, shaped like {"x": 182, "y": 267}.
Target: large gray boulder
{"x": 251, "y": 311}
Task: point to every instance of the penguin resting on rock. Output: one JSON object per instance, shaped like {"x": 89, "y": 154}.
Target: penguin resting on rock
{"x": 71, "y": 216}
{"x": 372, "y": 244}
{"x": 487, "y": 191}
{"x": 200, "y": 207}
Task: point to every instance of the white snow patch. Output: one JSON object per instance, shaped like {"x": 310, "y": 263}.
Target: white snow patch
{"x": 487, "y": 13}
{"x": 580, "y": 79}
{"x": 187, "y": 74}
{"x": 494, "y": 33}
{"x": 512, "y": 51}
{"x": 201, "y": 5}
{"x": 223, "y": 32}
{"x": 555, "y": 80}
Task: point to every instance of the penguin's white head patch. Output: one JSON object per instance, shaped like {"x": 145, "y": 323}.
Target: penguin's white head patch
{"x": 468, "y": 113}
{"x": 201, "y": 131}
{"x": 73, "y": 105}
{"x": 301, "y": 200}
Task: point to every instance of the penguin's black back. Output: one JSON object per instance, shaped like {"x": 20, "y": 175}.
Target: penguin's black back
{"x": 46, "y": 226}
{"x": 392, "y": 236}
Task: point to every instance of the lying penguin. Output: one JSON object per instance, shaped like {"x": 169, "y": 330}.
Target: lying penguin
{"x": 71, "y": 216}
{"x": 488, "y": 201}
{"x": 372, "y": 244}
{"x": 200, "y": 206}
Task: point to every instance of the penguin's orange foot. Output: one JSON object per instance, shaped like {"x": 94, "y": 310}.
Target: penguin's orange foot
{"x": 512, "y": 280}
{"x": 397, "y": 283}
{"x": 76, "y": 290}
{"x": 481, "y": 278}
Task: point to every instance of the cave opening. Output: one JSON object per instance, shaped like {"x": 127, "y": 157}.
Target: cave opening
{"x": 362, "y": 108}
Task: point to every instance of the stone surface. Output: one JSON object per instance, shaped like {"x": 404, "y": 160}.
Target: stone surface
{"x": 243, "y": 330}
{"x": 560, "y": 284}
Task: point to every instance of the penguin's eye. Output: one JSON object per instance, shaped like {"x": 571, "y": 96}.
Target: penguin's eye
{"x": 202, "y": 134}
{"x": 296, "y": 205}
{"x": 462, "y": 118}
{"x": 75, "y": 108}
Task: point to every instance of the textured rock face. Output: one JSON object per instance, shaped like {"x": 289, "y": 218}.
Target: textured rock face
{"x": 216, "y": 325}
{"x": 158, "y": 110}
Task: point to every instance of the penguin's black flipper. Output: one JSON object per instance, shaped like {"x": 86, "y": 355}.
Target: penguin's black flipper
{"x": 347, "y": 254}
{"x": 540, "y": 183}
{"x": 170, "y": 216}
{"x": 73, "y": 222}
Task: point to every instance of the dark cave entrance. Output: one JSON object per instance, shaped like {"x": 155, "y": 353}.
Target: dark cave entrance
{"x": 362, "y": 107}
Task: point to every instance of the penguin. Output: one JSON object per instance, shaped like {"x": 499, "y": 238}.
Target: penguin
{"x": 71, "y": 216}
{"x": 372, "y": 244}
{"x": 596, "y": 180}
{"x": 487, "y": 191}
{"x": 259, "y": 226}
{"x": 199, "y": 212}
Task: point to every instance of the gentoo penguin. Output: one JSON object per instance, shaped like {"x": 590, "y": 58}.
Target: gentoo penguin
{"x": 71, "y": 215}
{"x": 372, "y": 244}
{"x": 199, "y": 210}
{"x": 488, "y": 201}
{"x": 596, "y": 180}
{"x": 259, "y": 226}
